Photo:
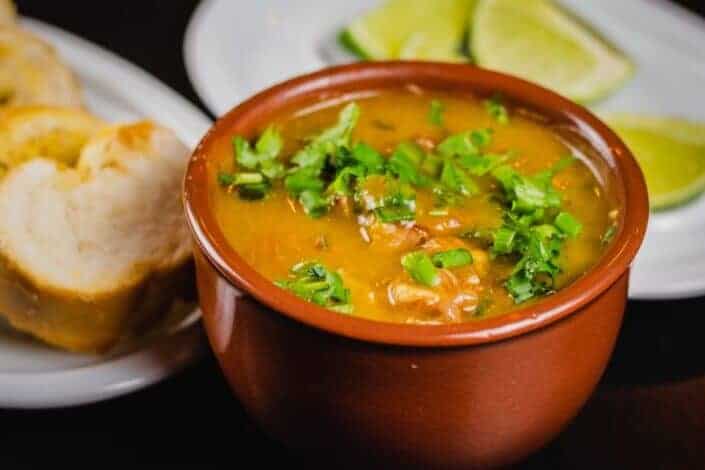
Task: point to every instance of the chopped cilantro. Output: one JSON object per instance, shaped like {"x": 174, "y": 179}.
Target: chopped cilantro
{"x": 456, "y": 180}
{"x": 398, "y": 205}
{"x": 404, "y": 163}
{"x": 303, "y": 179}
{"x": 465, "y": 143}
{"x": 497, "y": 110}
{"x": 315, "y": 283}
{"x": 369, "y": 158}
{"x": 314, "y": 203}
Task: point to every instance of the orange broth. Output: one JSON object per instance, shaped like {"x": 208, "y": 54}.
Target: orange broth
{"x": 274, "y": 234}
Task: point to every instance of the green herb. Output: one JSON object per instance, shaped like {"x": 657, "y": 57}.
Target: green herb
{"x": 529, "y": 232}
{"x": 250, "y": 186}
{"x": 342, "y": 184}
{"x": 465, "y": 143}
{"x": 315, "y": 283}
{"x": 456, "y": 180}
{"x": 458, "y": 145}
{"x": 404, "y": 163}
{"x": 314, "y": 203}
{"x": 267, "y": 149}
{"x": 526, "y": 194}
{"x": 450, "y": 259}
{"x": 609, "y": 234}
{"x": 304, "y": 179}
{"x": 330, "y": 141}
{"x": 568, "y": 224}
{"x": 480, "y": 165}
{"x": 435, "y": 114}
{"x": 369, "y": 158}
{"x": 421, "y": 269}
{"x": 398, "y": 205}
{"x": 432, "y": 165}
{"x": 496, "y": 109}
{"x": 254, "y": 192}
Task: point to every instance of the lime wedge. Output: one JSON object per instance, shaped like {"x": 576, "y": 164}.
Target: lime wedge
{"x": 538, "y": 41}
{"x": 671, "y": 153}
{"x": 410, "y": 29}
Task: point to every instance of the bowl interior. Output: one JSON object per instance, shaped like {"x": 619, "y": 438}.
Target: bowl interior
{"x": 612, "y": 161}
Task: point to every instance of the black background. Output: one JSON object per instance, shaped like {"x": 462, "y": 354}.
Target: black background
{"x": 192, "y": 419}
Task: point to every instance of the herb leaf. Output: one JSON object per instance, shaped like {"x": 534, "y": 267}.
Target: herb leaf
{"x": 435, "y": 114}
{"x": 455, "y": 179}
{"x": 421, "y": 269}
{"x": 497, "y": 110}
{"x": 450, "y": 259}
{"x": 315, "y": 283}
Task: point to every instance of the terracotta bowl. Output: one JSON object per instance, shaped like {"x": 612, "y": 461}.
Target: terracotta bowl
{"x": 479, "y": 394}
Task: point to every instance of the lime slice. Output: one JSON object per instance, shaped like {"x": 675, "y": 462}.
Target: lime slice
{"x": 410, "y": 29}
{"x": 538, "y": 41}
{"x": 671, "y": 153}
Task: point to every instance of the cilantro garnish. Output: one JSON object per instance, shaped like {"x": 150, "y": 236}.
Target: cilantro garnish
{"x": 497, "y": 110}
{"x": 315, "y": 283}
{"x": 530, "y": 232}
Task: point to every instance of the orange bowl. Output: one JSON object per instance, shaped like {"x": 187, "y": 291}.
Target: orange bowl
{"x": 477, "y": 394}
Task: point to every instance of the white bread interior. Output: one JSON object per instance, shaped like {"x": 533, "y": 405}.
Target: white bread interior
{"x": 89, "y": 251}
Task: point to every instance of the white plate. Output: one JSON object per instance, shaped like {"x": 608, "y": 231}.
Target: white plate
{"x": 233, "y": 49}
{"x": 36, "y": 376}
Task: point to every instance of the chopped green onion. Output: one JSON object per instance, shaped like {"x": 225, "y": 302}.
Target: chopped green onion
{"x": 503, "y": 241}
{"x": 254, "y": 192}
{"x": 435, "y": 115}
{"x": 568, "y": 224}
{"x": 450, "y": 259}
{"x": 421, "y": 269}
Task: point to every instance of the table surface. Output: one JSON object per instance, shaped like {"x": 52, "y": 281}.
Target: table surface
{"x": 649, "y": 411}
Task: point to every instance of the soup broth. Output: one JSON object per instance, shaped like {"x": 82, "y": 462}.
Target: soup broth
{"x": 474, "y": 208}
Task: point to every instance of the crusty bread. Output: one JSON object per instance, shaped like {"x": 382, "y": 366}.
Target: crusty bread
{"x": 55, "y": 133}
{"x": 8, "y": 13}
{"x": 32, "y": 73}
{"x": 87, "y": 252}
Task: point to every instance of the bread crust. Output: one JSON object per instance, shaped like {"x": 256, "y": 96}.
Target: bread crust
{"x": 49, "y": 287}
{"x": 31, "y": 72}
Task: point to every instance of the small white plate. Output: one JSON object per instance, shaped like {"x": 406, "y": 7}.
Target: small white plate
{"x": 234, "y": 49}
{"x": 36, "y": 376}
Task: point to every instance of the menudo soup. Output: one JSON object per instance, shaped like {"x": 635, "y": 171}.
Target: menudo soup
{"x": 412, "y": 206}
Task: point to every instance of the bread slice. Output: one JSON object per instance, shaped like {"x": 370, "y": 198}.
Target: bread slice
{"x": 55, "y": 133}
{"x": 87, "y": 253}
{"x": 8, "y": 13}
{"x": 32, "y": 73}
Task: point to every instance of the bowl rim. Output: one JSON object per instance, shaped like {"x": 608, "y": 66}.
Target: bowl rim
{"x": 630, "y": 188}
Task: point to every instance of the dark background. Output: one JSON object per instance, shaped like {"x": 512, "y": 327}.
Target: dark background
{"x": 649, "y": 412}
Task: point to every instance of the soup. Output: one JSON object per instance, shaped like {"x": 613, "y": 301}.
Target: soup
{"x": 412, "y": 205}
